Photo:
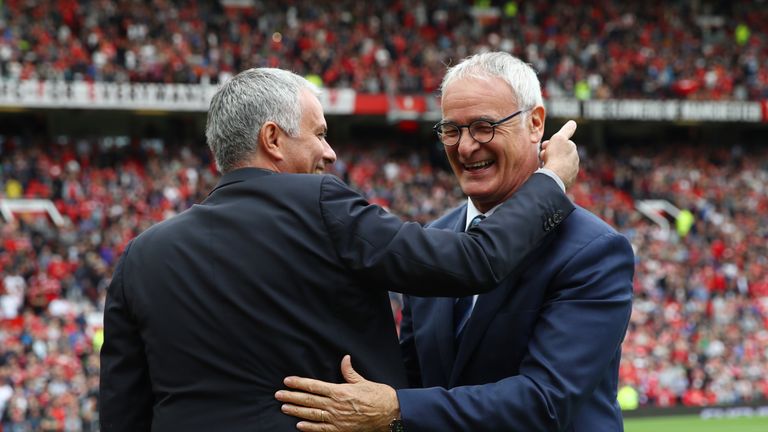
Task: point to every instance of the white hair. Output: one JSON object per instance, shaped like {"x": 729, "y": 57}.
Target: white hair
{"x": 243, "y": 104}
{"x": 520, "y": 76}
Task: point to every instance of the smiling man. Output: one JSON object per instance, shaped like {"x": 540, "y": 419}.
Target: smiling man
{"x": 539, "y": 353}
{"x": 494, "y": 159}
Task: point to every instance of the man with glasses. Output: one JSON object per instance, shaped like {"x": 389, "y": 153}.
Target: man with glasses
{"x": 542, "y": 351}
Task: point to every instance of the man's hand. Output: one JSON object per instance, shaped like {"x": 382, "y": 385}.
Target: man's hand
{"x": 359, "y": 405}
{"x": 559, "y": 154}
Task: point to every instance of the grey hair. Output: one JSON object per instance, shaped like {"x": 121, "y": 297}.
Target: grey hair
{"x": 243, "y": 104}
{"x": 520, "y": 76}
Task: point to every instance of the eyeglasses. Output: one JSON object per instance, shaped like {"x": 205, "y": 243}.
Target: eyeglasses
{"x": 481, "y": 131}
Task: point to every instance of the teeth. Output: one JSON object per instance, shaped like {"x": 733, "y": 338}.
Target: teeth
{"x": 477, "y": 165}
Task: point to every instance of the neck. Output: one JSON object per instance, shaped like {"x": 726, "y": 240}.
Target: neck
{"x": 259, "y": 162}
{"x": 483, "y": 207}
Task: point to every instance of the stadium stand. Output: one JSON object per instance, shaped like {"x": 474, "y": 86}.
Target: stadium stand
{"x": 584, "y": 49}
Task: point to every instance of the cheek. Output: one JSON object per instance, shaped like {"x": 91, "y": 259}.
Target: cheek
{"x": 452, "y": 156}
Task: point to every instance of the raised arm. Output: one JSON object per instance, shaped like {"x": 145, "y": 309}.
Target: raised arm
{"x": 406, "y": 258}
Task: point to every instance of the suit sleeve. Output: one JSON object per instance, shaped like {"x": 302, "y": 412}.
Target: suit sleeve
{"x": 125, "y": 392}
{"x": 579, "y": 332}
{"x": 408, "y": 346}
{"x": 407, "y": 258}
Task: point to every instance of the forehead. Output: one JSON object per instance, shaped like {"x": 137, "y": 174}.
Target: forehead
{"x": 311, "y": 109}
{"x": 475, "y": 97}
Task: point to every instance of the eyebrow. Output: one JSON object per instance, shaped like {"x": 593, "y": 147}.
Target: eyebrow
{"x": 472, "y": 119}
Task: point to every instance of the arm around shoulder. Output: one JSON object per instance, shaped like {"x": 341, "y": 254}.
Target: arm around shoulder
{"x": 407, "y": 258}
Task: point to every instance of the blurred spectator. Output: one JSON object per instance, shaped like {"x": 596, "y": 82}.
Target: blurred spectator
{"x": 582, "y": 49}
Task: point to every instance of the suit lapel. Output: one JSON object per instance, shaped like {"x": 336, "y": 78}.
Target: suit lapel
{"x": 485, "y": 310}
{"x": 444, "y": 316}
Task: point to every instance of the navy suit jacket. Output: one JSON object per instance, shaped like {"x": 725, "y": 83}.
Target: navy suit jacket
{"x": 539, "y": 353}
{"x": 276, "y": 275}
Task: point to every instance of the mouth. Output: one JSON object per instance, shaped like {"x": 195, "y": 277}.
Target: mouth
{"x": 319, "y": 170}
{"x": 477, "y": 166}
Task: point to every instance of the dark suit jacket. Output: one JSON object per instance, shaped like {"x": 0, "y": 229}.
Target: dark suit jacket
{"x": 544, "y": 347}
{"x": 276, "y": 275}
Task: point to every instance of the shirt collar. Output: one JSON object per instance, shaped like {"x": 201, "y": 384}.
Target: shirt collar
{"x": 472, "y": 211}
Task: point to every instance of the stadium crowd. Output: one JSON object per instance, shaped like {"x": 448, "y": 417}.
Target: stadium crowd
{"x": 711, "y": 50}
{"x": 699, "y": 329}
{"x": 698, "y": 333}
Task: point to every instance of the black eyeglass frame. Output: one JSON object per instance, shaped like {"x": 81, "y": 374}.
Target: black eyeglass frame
{"x": 493, "y": 125}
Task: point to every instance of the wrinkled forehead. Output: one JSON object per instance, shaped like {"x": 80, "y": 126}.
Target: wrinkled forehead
{"x": 311, "y": 109}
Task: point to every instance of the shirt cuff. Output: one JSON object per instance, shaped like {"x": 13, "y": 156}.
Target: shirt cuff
{"x": 554, "y": 177}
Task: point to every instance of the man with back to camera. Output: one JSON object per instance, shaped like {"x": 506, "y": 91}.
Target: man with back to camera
{"x": 539, "y": 353}
{"x": 277, "y": 274}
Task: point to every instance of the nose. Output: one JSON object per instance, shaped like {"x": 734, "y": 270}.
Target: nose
{"x": 329, "y": 156}
{"x": 467, "y": 145}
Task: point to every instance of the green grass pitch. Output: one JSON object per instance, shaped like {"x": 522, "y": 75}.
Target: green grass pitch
{"x": 696, "y": 424}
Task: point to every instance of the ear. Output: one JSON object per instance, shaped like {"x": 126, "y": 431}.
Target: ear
{"x": 270, "y": 141}
{"x": 536, "y": 123}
